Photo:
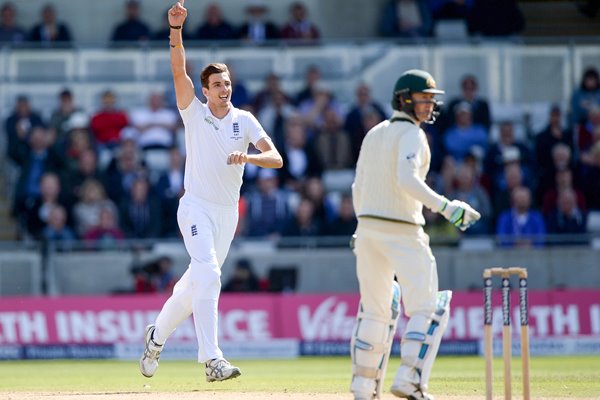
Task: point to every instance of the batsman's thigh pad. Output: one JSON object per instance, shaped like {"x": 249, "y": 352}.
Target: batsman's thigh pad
{"x": 421, "y": 340}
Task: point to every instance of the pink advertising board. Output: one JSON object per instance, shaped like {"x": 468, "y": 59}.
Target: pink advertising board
{"x": 323, "y": 317}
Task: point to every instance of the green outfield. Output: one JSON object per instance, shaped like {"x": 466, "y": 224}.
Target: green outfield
{"x": 551, "y": 377}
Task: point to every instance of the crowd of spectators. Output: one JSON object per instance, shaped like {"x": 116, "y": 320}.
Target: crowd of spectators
{"x": 399, "y": 18}
{"x": 118, "y": 173}
{"x": 255, "y": 29}
{"x": 112, "y": 173}
{"x": 525, "y": 185}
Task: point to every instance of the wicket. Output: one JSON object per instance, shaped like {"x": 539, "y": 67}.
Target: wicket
{"x": 505, "y": 274}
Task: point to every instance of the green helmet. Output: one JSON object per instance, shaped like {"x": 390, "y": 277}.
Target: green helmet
{"x": 412, "y": 81}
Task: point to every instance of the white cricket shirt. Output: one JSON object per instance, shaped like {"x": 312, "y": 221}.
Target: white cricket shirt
{"x": 208, "y": 142}
{"x": 390, "y": 173}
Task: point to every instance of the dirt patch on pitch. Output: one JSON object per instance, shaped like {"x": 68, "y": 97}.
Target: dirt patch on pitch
{"x": 212, "y": 395}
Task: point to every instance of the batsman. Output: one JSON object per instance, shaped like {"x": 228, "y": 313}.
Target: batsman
{"x": 389, "y": 192}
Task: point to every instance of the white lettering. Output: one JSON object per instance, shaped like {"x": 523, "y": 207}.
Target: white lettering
{"x": 33, "y": 329}
{"x": 329, "y": 321}
{"x": 8, "y": 327}
{"x": 62, "y": 327}
{"x": 456, "y": 324}
{"x": 541, "y": 314}
{"x": 231, "y": 321}
{"x": 83, "y": 326}
{"x": 475, "y": 322}
{"x": 133, "y": 324}
{"x": 563, "y": 322}
{"x": 245, "y": 325}
{"x": 258, "y": 324}
{"x": 595, "y": 319}
{"x": 108, "y": 326}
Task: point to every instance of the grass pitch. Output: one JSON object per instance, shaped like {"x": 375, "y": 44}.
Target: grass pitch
{"x": 462, "y": 377}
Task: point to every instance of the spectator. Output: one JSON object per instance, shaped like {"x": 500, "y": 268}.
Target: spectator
{"x": 155, "y": 124}
{"x": 586, "y": 96}
{"x": 501, "y": 195}
{"x": 142, "y": 282}
{"x": 273, "y": 117}
{"x": 589, "y": 132}
{"x": 469, "y": 191}
{"x": 521, "y": 226}
{"x": 86, "y": 211}
{"x": 123, "y": 170}
{"x": 592, "y": 176}
{"x": 34, "y": 159}
{"x": 548, "y": 138}
{"x": 18, "y": 127}
{"x": 312, "y": 78}
{"x": 506, "y": 149}
{"x": 139, "y": 212}
{"x": 313, "y": 109}
{"x": 10, "y": 32}
{"x": 49, "y": 31}
{"x": 299, "y": 28}
{"x": 479, "y": 106}
{"x": 257, "y": 29}
{"x": 107, "y": 233}
{"x": 132, "y": 29}
{"x": 567, "y": 217}
{"x": 37, "y": 210}
{"x": 563, "y": 181}
{"x": 57, "y": 231}
{"x": 495, "y": 18}
{"x": 214, "y": 26}
{"x": 267, "y": 94}
{"x": 107, "y": 122}
{"x": 332, "y": 143}
{"x": 304, "y": 222}
{"x": 87, "y": 168}
{"x": 561, "y": 159}
{"x": 355, "y": 123}
{"x": 78, "y": 140}
{"x": 300, "y": 159}
{"x": 344, "y": 224}
{"x": 60, "y": 121}
{"x": 464, "y": 135}
{"x": 405, "y": 18}
{"x": 170, "y": 189}
{"x": 314, "y": 190}
{"x": 243, "y": 278}
{"x": 267, "y": 206}
{"x": 155, "y": 276}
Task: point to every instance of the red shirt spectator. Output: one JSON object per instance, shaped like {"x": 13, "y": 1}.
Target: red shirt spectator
{"x": 107, "y": 123}
{"x": 299, "y": 27}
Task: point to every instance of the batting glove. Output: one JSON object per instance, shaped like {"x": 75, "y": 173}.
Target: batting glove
{"x": 459, "y": 213}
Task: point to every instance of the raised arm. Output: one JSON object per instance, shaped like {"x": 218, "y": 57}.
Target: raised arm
{"x": 184, "y": 88}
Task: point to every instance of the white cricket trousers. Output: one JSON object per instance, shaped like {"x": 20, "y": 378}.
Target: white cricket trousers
{"x": 386, "y": 248}
{"x": 207, "y": 231}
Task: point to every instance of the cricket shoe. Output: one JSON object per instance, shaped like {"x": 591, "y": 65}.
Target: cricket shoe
{"x": 219, "y": 369}
{"x": 409, "y": 391}
{"x": 149, "y": 360}
{"x": 407, "y": 384}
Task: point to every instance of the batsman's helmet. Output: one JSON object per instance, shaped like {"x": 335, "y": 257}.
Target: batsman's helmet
{"x": 413, "y": 81}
